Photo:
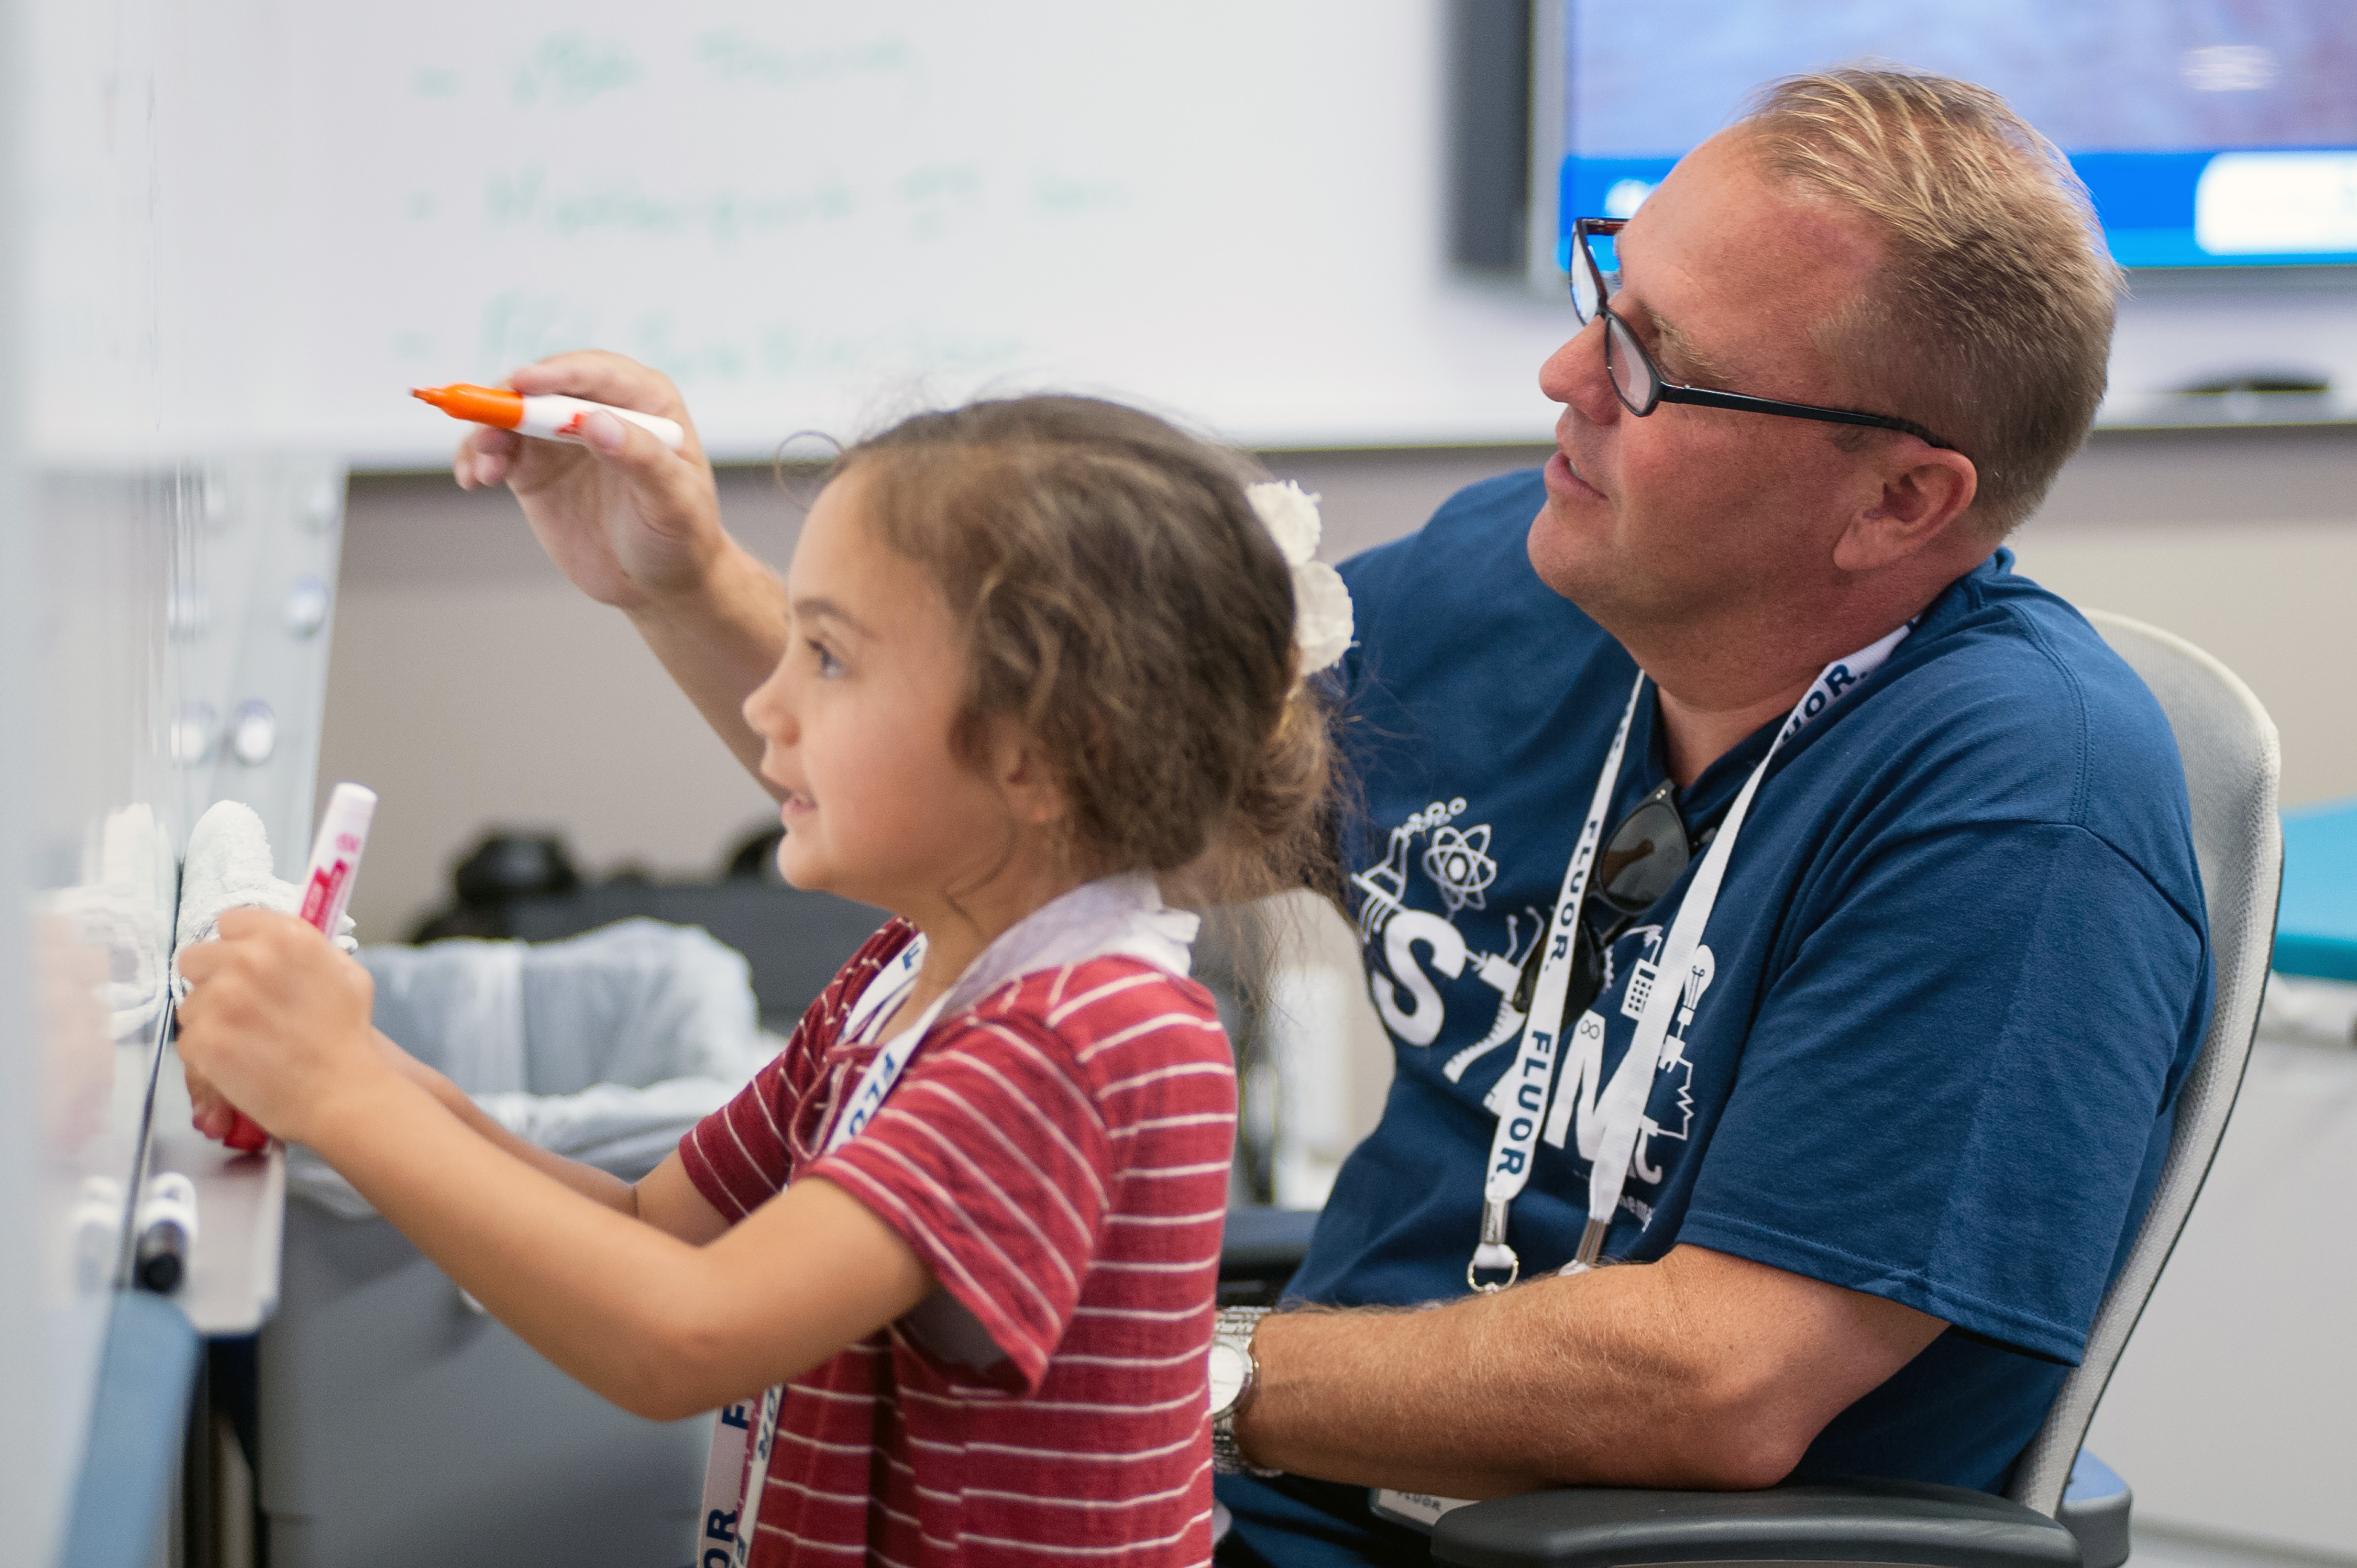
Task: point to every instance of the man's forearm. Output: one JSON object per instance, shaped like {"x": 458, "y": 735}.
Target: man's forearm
{"x": 1701, "y": 1370}
{"x": 721, "y": 642}
{"x": 1483, "y": 1398}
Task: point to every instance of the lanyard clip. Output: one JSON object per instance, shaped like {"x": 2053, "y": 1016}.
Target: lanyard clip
{"x": 1492, "y": 1254}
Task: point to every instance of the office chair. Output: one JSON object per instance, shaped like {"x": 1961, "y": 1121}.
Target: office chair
{"x": 2063, "y": 1510}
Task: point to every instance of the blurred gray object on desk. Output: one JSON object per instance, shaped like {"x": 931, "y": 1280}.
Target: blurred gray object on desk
{"x": 525, "y": 886}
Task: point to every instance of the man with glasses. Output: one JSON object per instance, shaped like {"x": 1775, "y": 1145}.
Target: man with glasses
{"x": 1765, "y": 887}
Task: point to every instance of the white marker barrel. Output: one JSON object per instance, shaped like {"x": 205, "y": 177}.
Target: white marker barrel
{"x": 552, "y": 417}
{"x": 336, "y": 854}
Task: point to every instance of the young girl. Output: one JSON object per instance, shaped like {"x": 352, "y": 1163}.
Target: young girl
{"x": 965, "y": 1230}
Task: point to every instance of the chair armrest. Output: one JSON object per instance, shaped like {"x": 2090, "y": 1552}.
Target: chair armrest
{"x": 1875, "y": 1522}
{"x": 1259, "y": 1252}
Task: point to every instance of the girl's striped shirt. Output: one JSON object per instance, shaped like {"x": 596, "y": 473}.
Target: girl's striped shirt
{"x": 1057, "y": 1155}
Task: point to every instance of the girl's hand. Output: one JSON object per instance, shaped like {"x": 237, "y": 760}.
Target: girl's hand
{"x": 631, "y": 522}
{"x": 216, "y": 1118}
{"x": 277, "y": 1023}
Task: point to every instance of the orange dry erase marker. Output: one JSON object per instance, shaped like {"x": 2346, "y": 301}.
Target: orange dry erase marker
{"x": 547, "y": 416}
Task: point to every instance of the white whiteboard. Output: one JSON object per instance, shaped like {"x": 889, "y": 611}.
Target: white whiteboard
{"x": 808, "y": 214}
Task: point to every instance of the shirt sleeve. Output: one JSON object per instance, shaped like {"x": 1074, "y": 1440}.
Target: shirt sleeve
{"x": 1950, "y": 1094}
{"x": 741, "y": 1156}
{"x": 994, "y": 1161}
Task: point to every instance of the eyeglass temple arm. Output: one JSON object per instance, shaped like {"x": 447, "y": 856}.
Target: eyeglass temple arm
{"x": 1702, "y": 397}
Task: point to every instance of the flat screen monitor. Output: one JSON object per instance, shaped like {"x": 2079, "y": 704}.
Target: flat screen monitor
{"x": 2210, "y": 132}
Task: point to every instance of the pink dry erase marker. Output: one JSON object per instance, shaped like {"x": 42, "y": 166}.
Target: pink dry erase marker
{"x": 336, "y": 855}
{"x": 548, "y": 415}
{"x": 327, "y": 888}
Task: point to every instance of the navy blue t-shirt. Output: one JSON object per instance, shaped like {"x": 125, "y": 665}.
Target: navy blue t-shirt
{"x": 1958, "y": 967}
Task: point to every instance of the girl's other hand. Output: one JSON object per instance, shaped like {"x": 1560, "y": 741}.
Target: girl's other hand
{"x": 631, "y": 522}
{"x": 277, "y": 1023}
{"x": 215, "y": 1118}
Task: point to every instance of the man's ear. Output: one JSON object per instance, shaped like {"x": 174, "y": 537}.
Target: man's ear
{"x": 1924, "y": 490}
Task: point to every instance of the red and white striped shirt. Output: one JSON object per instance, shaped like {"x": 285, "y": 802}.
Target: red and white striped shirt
{"x": 1058, "y": 1155}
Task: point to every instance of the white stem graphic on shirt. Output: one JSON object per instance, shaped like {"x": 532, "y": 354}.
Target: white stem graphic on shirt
{"x": 1458, "y": 860}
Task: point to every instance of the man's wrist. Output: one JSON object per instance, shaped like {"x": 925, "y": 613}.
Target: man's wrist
{"x": 1235, "y": 1380}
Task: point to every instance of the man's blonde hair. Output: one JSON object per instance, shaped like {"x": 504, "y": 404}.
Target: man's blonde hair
{"x": 1990, "y": 322}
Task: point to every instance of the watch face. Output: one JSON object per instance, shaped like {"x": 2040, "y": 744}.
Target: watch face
{"x": 1229, "y": 1368}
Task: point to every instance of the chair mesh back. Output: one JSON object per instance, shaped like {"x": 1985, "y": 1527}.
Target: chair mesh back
{"x": 2232, "y": 761}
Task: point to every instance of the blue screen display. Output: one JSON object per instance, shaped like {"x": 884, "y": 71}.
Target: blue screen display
{"x": 2210, "y": 132}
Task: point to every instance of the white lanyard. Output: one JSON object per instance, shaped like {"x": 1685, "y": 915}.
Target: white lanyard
{"x": 1115, "y": 915}
{"x": 1521, "y": 1108}
{"x": 719, "y": 1542}
{"x": 1525, "y": 1106}
{"x": 876, "y": 1003}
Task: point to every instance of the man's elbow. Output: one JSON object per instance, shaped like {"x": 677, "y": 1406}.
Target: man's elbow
{"x": 1742, "y": 1458}
{"x": 1743, "y": 1435}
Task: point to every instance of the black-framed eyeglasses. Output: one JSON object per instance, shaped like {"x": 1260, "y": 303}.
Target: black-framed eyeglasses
{"x": 1641, "y": 861}
{"x": 1640, "y": 382}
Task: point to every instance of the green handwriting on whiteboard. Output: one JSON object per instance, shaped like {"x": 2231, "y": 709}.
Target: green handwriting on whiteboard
{"x": 734, "y": 57}
{"x": 528, "y": 199}
{"x": 568, "y": 69}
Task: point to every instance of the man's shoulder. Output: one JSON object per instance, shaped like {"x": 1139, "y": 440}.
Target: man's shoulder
{"x": 2014, "y": 703}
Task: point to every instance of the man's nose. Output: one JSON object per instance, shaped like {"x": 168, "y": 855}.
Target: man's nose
{"x": 1574, "y": 375}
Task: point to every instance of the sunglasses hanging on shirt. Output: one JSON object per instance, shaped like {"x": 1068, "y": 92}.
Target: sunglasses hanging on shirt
{"x": 1639, "y": 865}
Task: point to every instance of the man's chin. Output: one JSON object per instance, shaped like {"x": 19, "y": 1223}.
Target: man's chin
{"x": 1563, "y": 547}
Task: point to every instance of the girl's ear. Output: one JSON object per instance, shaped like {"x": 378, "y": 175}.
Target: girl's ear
{"x": 1025, "y": 781}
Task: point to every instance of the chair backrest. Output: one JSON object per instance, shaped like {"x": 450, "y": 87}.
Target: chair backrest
{"x": 2232, "y": 761}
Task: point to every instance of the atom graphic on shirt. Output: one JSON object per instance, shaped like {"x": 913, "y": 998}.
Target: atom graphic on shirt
{"x": 1458, "y": 864}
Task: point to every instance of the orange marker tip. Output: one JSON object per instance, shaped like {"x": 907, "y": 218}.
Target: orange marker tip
{"x": 483, "y": 405}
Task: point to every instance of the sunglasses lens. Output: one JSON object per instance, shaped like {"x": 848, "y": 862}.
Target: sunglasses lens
{"x": 1643, "y": 860}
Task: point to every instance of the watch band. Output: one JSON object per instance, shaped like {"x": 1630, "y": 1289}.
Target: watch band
{"x": 1233, "y": 1329}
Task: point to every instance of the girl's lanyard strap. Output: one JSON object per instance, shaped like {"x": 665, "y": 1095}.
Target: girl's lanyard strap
{"x": 724, "y": 1539}
{"x": 1524, "y": 1107}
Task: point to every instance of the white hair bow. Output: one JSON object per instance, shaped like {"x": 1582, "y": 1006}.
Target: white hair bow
{"x": 1321, "y": 605}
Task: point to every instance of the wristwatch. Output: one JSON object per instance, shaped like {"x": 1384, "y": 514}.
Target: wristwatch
{"x": 1234, "y": 1375}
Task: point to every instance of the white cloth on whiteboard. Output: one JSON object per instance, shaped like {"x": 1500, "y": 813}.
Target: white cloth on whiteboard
{"x": 123, "y": 902}
{"x": 605, "y": 1047}
{"x": 227, "y": 866}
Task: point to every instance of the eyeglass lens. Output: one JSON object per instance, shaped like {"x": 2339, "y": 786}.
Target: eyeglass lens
{"x": 1630, "y": 368}
{"x": 1584, "y": 296}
